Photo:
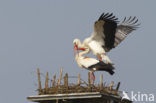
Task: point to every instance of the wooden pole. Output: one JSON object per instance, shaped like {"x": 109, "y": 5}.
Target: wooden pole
{"x": 39, "y": 80}
{"x": 66, "y": 80}
{"x": 111, "y": 85}
{"x": 46, "y": 81}
{"x": 53, "y": 81}
{"x": 57, "y": 101}
{"x": 118, "y": 85}
{"x": 57, "y": 84}
{"x": 61, "y": 70}
{"x": 89, "y": 81}
{"x": 79, "y": 80}
{"x": 57, "y": 89}
{"x": 101, "y": 82}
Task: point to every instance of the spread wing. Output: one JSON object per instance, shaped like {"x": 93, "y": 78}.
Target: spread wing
{"x": 126, "y": 27}
{"x": 104, "y": 31}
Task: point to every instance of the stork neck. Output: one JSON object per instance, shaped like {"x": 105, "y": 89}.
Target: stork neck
{"x": 80, "y": 44}
{"x": 86, "y": 51}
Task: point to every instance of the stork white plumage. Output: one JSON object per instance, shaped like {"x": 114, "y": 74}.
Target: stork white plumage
{"x": 107, "y": 35}
{"x": 92, "y": 64}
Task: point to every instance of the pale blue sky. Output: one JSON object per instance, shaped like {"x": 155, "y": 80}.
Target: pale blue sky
{"x": 39, "y": 33}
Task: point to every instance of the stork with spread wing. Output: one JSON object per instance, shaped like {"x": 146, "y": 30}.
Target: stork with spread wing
{"x": 107, "y": 34}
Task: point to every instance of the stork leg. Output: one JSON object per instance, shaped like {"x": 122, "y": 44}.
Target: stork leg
{"x": 92, "y": 77}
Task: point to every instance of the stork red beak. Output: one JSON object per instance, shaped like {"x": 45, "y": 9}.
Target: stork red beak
{"x": 76, "y": 47}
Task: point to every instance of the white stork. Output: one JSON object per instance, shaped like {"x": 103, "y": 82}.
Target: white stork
{"x": 92, "y": 64}
{"x": 107, "y": 35}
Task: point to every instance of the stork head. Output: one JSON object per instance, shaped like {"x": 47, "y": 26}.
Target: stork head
{"x": 76, "y": 43}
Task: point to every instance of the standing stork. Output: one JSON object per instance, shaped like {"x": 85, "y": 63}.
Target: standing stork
{"x": 92, "y": 64}
{"x": 107, "y": 35}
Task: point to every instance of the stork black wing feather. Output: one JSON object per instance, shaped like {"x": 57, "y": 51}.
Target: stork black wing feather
{"x": 101, "y": 66}
{"x": 109, "y": 27}
{"x": 126, "y": 27}
{"x": 110, "y": 15}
